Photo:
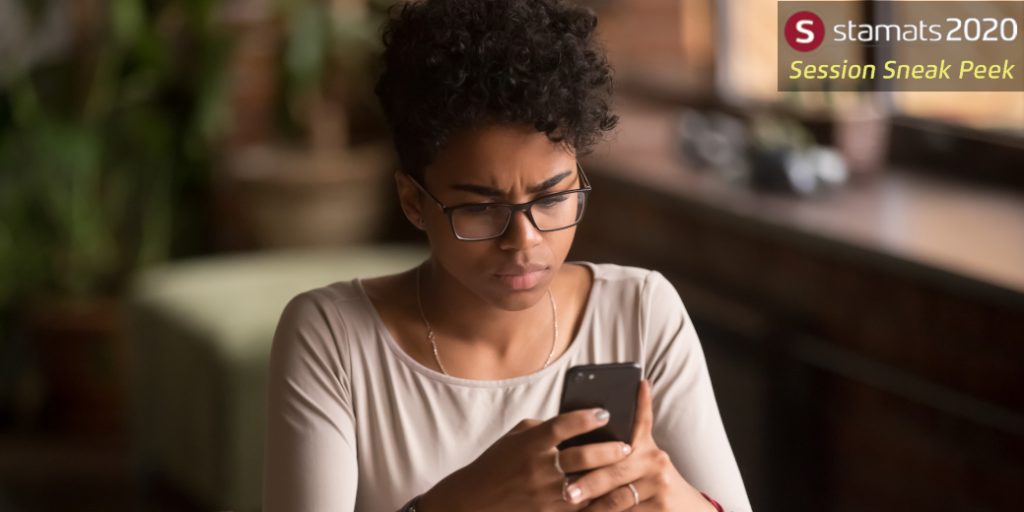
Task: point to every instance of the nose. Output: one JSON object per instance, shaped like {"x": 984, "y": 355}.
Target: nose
{"x": 520, "y": 232}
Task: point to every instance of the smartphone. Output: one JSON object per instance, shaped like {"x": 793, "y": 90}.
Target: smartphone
{"x": 612, "y": 386}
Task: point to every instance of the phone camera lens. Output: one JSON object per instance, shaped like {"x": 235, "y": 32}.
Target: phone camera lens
{"x": 591, "y": 376}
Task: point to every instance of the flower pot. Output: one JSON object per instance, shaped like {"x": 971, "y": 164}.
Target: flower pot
{"x": 82, "y": 361}
{"x": 285, "y": 197}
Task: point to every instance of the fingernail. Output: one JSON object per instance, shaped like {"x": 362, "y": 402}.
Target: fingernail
{"x": 602, "y": 415}
{"x": 574, "y": 493}
{"x": 626, "y": 449}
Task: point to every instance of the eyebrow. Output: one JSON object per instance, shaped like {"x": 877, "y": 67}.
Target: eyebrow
{"x": 492, "y": 192}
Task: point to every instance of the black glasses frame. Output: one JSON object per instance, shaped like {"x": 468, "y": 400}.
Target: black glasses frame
{"x": 513, "y": 207}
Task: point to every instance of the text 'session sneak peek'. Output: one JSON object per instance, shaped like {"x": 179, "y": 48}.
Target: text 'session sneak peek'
{"x": 901, "y": 46}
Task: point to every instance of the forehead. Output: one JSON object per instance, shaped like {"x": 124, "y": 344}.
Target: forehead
{"x": 500, "y": 156}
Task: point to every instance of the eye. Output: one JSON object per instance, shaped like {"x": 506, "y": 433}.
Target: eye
{"x": 552, "y": 201}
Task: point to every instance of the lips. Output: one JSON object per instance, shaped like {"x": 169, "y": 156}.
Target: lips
{"x": 518, "y": 270}
{"x": 521, "y": 277}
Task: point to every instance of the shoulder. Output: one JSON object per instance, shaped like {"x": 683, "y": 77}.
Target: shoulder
{"x": 315, "y": 330}
{"x": 339, "y": 294}
{"x": 644, "y": 293}
{"x": 615, "y": 273}
{"x": 326, "y": 310}
{"x": 623, "y": 282}
{"x": 641, "y": 295}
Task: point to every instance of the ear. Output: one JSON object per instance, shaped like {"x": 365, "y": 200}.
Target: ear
{"x": 409, "y": 198}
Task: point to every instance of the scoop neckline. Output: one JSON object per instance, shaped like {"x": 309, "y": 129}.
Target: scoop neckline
{"x": 430, "y": 373}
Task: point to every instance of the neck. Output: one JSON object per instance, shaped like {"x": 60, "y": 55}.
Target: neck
{"x": 463, "y": 320}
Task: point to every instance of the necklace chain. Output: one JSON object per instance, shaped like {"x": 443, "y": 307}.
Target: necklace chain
{"x": 433, "y": 342}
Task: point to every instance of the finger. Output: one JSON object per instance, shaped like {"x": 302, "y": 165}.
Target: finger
{"x": 644, "y": 420}
{"x": 562, "y": 506}
{"x": 525, "y": 424}
{"x": 617, "y": 500}
{"x": 603, "y": 480}
{"x": 621, "y": 498}
{"x": 566, "y": 426}
{"x": 558, "y": 503}
{"x": 594, "y": 455}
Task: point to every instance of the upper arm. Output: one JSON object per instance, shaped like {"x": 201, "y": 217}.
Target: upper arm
{"x": 687, "y": 423}
{"x": 310, "y": 453}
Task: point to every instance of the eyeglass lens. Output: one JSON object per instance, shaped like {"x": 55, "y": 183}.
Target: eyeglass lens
{"x": 488, "y": 221}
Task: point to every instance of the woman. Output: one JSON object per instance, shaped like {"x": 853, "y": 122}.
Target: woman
{"x": 437, "y": 389}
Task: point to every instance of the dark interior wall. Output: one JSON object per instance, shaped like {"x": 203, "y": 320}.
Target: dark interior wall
{"x": 846, "y": 382}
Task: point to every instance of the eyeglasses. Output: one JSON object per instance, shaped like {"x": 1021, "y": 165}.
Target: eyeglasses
{"x": 484, "y": 221}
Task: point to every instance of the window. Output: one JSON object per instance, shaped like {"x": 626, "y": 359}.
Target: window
{"x": 728, "y": 48}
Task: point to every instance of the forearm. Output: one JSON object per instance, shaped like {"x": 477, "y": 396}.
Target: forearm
{"x": 439, "y": 498}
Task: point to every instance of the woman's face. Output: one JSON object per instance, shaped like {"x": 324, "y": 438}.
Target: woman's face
{"x": 496, "y": 163}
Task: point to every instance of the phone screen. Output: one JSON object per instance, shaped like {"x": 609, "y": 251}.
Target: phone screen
{"x": 612, "y": 386}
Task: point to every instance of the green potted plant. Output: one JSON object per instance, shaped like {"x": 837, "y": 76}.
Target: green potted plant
{"x": 321, "y": 178}
{"x": 101, "y": 142}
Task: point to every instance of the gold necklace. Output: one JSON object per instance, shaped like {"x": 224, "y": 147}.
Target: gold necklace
{"x": 433, "y": 343}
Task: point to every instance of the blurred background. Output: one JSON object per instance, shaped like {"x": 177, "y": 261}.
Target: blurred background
{"x": 173, "y": 171}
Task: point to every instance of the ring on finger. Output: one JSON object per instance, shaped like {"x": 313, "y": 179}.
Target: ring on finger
{"x": 636, "y": 495}
{"x": 558, "y": 465}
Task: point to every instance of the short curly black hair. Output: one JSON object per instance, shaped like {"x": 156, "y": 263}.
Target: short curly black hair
{"x": 450, "y": 65}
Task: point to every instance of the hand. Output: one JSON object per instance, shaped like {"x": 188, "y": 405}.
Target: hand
{"x": 648, "y": 468}
{"x": 518, "y": 471}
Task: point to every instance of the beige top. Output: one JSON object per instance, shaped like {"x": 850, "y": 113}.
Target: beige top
{"x": 356, "y": 424}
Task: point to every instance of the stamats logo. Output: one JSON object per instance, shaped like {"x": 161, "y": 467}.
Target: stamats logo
{"x": 804, "y": 31}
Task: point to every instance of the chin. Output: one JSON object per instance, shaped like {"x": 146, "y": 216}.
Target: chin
{"x": 518, "y": 300}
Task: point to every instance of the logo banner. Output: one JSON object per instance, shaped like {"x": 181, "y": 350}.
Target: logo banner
{"x": 901, "y": 46}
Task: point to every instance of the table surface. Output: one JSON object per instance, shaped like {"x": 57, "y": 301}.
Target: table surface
{"x": 964, "y": 235}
